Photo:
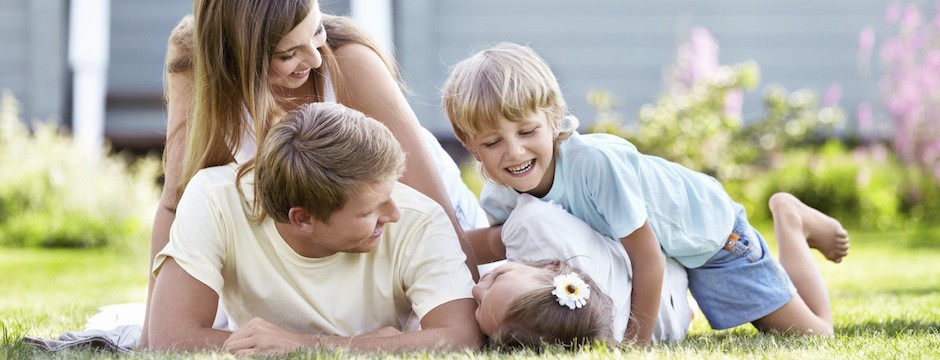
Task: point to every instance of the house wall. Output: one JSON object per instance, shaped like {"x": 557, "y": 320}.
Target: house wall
{"x": 624, "y": 46}
{"x": 615, "y": 45}
{"x": 33, "y": 56}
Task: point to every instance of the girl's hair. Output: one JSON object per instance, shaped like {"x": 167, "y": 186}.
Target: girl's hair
{"x": 228, "y": 44}
{"x": 505, "y": 81}
{"x": 317, "y": 156}
{"x": 535, "y": 319}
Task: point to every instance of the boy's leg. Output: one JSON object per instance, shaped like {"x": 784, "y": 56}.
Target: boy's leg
{"x": 797, "y": 228}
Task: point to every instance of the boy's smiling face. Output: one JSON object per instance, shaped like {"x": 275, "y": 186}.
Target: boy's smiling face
{"x": 519, "y": 154}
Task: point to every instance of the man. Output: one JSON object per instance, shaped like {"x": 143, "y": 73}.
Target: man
{"x": 324, "y": 249}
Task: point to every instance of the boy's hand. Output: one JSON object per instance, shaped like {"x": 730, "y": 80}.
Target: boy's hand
{"x": 648, "y": 266}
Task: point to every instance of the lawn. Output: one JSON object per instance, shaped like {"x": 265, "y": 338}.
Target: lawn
{"x": 885, "y": 295}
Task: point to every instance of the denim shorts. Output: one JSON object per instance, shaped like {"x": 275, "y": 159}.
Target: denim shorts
{"x": 741, "y": 283}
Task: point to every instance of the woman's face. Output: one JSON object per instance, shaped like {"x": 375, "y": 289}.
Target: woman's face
{"x": 298, "y": 52}
{"x": 497, "y": 290}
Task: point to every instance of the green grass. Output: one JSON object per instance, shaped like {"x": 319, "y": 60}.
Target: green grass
{"x": 885, "y": 297}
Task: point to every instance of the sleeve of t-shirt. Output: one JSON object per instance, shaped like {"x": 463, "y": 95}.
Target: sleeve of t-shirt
{"x": 497, "y": 202}
{"x": 197, "y": 237}
{"x": 611, "y": 178}
{"x": 435, "y": 272}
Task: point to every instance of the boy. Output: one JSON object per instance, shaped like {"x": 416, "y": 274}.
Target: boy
{"x": 507, "y": 109}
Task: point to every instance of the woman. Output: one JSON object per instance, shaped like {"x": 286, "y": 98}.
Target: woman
{"x": 564, "y": 301}
{"x": 238, "y": 65}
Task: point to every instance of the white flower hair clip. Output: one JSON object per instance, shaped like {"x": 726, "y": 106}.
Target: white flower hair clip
{"x": 571, "y": 290}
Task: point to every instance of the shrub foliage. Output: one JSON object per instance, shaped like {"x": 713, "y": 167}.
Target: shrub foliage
{"x": 55, "y": 193}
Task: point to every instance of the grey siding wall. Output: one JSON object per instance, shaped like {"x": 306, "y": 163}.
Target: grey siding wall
{"x": 623, "y": 46}
{"x": 33, "y": 55}
{"x": 139, "y": 32}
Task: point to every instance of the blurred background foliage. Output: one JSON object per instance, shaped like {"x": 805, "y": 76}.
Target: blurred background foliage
{"x": 54, "y": 193}
{"x": 799, "y": 144}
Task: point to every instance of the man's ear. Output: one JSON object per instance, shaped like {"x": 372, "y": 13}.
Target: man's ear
{"x": 301, "y": 219}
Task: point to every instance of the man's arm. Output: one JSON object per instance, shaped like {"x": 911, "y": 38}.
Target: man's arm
{"x": 487, "y": 244}
{"x": 182, "y": 311}
{"x": 450, "y": 326}
{"x": 648, "y": 267}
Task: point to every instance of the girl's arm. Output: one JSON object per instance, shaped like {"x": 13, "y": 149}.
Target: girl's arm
{"x": 488, "y": 244}
{"x": 648, "y": 267}
{"x": 372, "y": 90}
{"x": 179, "y": 92}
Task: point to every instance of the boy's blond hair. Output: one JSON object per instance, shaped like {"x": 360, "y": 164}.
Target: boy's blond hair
{"x": 505, "y": 81}
{"x": 317, "y": 156}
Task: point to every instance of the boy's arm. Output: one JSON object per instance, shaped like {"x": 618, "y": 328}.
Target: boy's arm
{"x": 648, "y": 266}
{"x": 450, "y": 326}
{"x": 182, "y": 311}
{"x": 488, "y": 244}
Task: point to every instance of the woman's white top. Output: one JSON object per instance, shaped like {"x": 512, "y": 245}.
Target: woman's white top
{"x": 538, "y": 230}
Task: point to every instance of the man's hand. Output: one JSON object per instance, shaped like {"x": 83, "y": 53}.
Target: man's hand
{"x": 260, "y": 337}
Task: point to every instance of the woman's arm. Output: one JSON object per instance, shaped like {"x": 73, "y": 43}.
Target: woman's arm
{"x": 372, "y": 90}
{"x": 179, "y": 90}
{"x": 648, "y": 266}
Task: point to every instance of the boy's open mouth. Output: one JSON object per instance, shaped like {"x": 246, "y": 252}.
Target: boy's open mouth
{"x": 518, "y": 170}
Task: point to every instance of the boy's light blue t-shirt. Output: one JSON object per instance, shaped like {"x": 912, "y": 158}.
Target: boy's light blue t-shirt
{"x": 604, "y": 181}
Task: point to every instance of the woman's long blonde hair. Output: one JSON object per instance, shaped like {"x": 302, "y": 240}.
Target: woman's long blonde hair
{"x": 228, "y": 45}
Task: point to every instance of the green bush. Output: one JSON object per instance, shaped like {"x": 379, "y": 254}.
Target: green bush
{"x": 54, "y": 193}
{"x": 866, "y": 188}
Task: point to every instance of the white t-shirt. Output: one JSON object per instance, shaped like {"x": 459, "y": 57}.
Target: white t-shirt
{"x": 538, "y": 230}
{"x": 417, "y": 266}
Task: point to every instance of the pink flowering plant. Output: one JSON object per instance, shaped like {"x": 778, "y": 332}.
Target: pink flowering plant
{"x": 910, "y": 85}
{"x": 792, "y": 147}
{"x": 698, "y": 117}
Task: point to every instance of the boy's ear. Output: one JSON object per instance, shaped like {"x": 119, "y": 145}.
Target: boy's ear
{"x": 471, "y": 149}
{"x": 301, "y": 219}
{"x": 473, "y": 152}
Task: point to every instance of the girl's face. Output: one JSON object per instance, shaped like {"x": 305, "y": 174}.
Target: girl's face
{"x": 519, "y": 154}
{"x": 297, "y": 53}
{"x": 497, "y": 290}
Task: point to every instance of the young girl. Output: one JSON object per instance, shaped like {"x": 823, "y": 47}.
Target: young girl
{"x": 238, "y": 65}
{"x": 539, "y": 233}
{"x": 521, "y": 303}
{"x": 506, "y": 107}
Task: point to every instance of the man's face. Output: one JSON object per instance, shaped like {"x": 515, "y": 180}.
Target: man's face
{"x": 358, "y": 226}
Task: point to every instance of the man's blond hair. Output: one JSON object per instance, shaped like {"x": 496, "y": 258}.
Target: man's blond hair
{"x": 505, "y": 81}
{"x": 317, "y": 156}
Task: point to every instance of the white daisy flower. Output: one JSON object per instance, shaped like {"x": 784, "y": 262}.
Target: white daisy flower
{"x": 571, "y": 291}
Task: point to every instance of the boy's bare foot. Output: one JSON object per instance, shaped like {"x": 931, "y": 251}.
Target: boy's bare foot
{"x": 822, "y": 232}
